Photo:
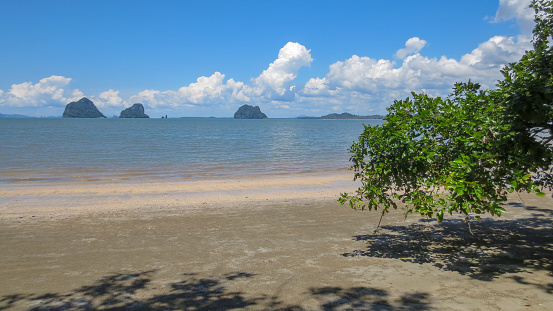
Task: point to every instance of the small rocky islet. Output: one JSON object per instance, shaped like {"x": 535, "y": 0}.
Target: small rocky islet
{"x": 84, "y": 108}
{"x": 249, "y": 112}
{"x": 135, "y": 111}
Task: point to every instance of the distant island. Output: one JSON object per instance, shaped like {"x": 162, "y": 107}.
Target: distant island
{"x": 345, "y": 116}
{"x": 249, "y": 112}
{"x": 84, "y": 108}
{"x": 13, "y": 116}
{"x": 135, "y": 111}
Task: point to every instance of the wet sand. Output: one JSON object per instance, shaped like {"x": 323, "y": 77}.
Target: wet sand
{"x": 261, "y": 243}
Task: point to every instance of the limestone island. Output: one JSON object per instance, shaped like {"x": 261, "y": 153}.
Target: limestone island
{"x": 249, "y": 112}
{"x": 135, "y": 111}
{"x": 84, "y": 108}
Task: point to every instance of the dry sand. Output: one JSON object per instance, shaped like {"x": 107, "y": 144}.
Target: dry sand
{"x": 260, "y": 243}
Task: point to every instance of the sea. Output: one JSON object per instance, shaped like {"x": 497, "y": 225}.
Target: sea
{"x": 55, "y": 149}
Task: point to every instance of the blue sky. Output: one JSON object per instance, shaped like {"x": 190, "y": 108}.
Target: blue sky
{"x": 206, "y": 58}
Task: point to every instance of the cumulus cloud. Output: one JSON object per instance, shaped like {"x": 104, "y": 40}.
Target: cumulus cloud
{"x": 54, "y": 92}
{"x": 152, "y": 97}
{"x": 519, "y": 10}
{"x": 316, "y": 86}
{"x": 368, "y": 75}
{"x": 51, "y": 91}
{"x": 496, "y": 52}
{"x": 109, "y": 99}
{"x": 205, "y": 91}
{"x": 364, "y": 81}
{"x": 274, "y": 82}
{"x": 412, "y": 46}
{"x": 213, "y": 89}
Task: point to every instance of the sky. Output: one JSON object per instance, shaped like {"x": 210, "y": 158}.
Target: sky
{"x": 291, "y": 58}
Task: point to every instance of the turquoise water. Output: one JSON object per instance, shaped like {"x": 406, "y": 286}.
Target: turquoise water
{"x": 121, "y": 149}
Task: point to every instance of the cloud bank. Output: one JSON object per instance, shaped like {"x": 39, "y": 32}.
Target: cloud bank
{"x": 359, "y": 84}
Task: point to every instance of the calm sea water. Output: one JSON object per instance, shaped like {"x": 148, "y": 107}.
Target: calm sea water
{"x": 120, "y": 149}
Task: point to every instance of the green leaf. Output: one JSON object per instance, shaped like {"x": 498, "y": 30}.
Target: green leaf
{"x": 526, "y": 177}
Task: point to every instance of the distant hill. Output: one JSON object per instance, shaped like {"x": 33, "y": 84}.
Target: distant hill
{"x": 136, "y": 111}
{"x": 249, "y": 112}
{"x": 13, "y": 116}
{"x": 84, "y": 108}
{"x": 345, "y": 116}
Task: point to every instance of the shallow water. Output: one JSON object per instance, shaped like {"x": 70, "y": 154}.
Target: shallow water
{"x": 121, "y": 149}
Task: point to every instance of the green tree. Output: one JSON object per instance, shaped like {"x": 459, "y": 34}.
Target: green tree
{"x": 465, "y": 153}
{"x": 527, "y": 94}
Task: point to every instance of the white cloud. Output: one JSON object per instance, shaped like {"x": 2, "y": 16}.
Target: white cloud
{"x": 519, "y": 10}
{"x": 496, "y": 52}
{"x": 316, "y": 86}
{"x": 206, "y": 91}
{"x": 362, "y": 74}
{"x": 213, "y": 89}
{"x": 152, "y": 97}
{"x": 363, "y": 84}
{"x": 109, "y": 99}
{"x": 76, "y": 95}
{"x": 274, "y": 82}
{"x": 417, "y": 72}
{"x": 412, "y": 46}
{"x": 159, "y": 99}
{"x": 49, "y": 91}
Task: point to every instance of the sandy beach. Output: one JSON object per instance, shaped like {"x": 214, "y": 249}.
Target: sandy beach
{"x": 273, "y": 243}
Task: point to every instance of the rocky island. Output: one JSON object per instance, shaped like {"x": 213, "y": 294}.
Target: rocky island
{"x": 136, "y": 111}
{"x": 249, "y": 112}
{"x": 84, "y": 108}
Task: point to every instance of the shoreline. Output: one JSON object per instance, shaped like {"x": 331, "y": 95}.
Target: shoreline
{"x": 53, "y": 200}
{"x": 196, "y": 174}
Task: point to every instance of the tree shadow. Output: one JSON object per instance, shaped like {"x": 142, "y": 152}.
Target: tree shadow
{"x": 368, "y": 298}
{"x": 135, "y": 291}
{"x": 538, "y": 212}
{"x": 131, "y": 292}
{"x": 497, "y": 247}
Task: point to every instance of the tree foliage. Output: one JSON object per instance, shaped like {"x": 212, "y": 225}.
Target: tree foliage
{"x": 527, "y": 94}
{"x": 464, "y": 153}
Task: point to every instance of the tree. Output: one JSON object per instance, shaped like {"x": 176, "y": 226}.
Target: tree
{"x": 465, "y": 153}
{"x": 527, "y": 93}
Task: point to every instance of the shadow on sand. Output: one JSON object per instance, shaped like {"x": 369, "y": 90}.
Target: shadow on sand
{"x": 136, "y": 291}
{"x": 132, "y": 292}
{"x": 496, "y": 247}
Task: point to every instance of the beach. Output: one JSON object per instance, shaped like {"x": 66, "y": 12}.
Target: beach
{"x": 278, "y": 242}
